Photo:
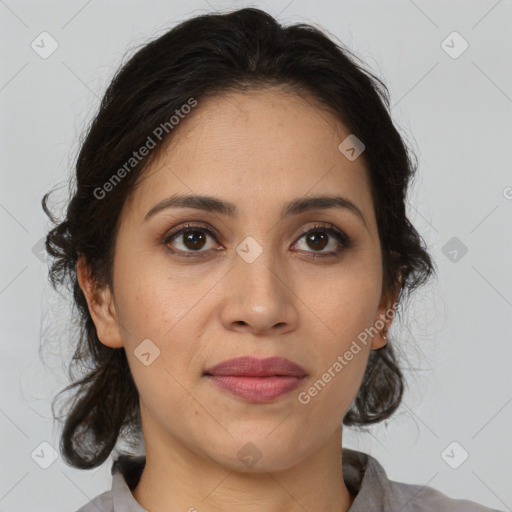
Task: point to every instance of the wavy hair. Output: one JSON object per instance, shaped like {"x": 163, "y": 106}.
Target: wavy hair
{"x": 202, "y": 57}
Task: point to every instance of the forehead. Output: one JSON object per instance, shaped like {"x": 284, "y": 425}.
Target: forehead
{"x": 259, "y": 149}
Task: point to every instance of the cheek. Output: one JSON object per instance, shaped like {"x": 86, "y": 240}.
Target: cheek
{"x": 331, "y": 390}
{"x": 344, "y": 301}
{"x": 344, "y": 307}
{"x": 162, "y": 307}
{"x": 152, "y": 300}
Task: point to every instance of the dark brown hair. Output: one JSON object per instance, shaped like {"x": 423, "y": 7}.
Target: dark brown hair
{"x": 206, "y": 56}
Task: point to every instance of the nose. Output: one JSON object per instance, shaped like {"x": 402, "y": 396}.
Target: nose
{"x": 259, "y": 298}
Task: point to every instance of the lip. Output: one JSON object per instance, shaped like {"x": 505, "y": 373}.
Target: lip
{"x": 249, "y": 366}
{"x": 257, "y": 380}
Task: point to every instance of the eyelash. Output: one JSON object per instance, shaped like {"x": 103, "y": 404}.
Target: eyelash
{"x": 328, "y": 228}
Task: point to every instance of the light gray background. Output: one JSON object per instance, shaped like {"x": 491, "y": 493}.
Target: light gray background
{"x": 456, "y": 336}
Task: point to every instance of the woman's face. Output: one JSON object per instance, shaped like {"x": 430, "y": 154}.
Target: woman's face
{"x": 247, "y": 281}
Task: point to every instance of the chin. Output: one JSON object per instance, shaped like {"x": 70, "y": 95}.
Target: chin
{"x": 256, "y": 456}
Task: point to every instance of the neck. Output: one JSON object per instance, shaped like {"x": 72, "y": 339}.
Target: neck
{"x": 177, "y": 479}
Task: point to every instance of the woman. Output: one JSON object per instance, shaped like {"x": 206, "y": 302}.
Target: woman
{"x": 238, "y": 247}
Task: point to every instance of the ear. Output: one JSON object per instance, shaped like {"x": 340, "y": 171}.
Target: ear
{"x": 101, "y": 306}
{"x": 384, "y": 319}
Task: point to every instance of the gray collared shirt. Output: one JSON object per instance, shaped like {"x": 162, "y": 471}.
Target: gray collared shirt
{"x": 362, "y": 474}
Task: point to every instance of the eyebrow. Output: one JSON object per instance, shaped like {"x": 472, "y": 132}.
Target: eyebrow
{"x": 294, "y": 207}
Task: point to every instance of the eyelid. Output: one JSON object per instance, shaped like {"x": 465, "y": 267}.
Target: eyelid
{"x": 191, "y": 225}
{"x": 329, "y": 228}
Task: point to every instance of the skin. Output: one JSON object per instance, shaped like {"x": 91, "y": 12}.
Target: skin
{"x": 258, "y": 150}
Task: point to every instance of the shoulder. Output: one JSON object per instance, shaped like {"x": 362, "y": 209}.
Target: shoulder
{"x": 103, "y": 502}
{"x": 126, "y": 471}
{"x": 418, "y": 498}
{"x": 375, "y": 491}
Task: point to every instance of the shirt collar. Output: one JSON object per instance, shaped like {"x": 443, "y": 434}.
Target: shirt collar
{"x": 126, "y": 472}
{"x": 363, "y": 475}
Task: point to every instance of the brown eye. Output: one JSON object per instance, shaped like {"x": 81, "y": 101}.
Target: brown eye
{"x": 190, "y": 239}
{"x": 317, "y": 240}
{"x": 194, "y": 240}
